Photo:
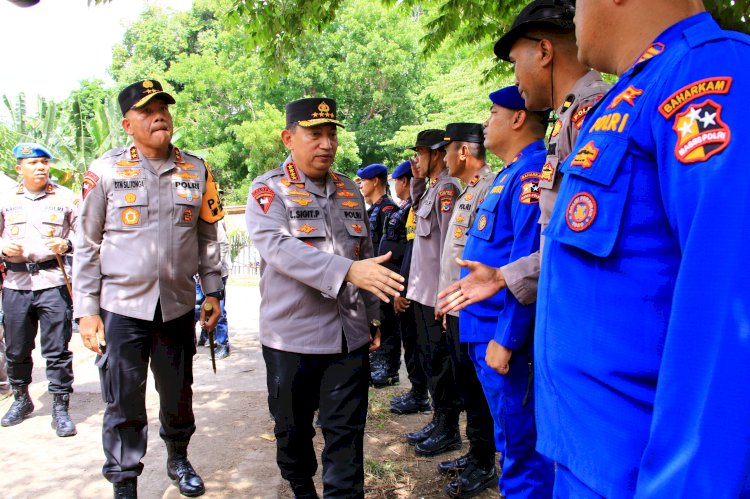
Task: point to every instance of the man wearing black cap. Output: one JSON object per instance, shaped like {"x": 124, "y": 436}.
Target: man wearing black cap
{"x": 386, "y": 360}
{"x": 434, "y": 194}
{"x": 499, "y": 330}
{"x": 541, "y": 45}
{"x": 465, "y": 159}
{"x": 148, "y": 221}
{"x": 319, "y": 313}
{"x": 399, "y": 239}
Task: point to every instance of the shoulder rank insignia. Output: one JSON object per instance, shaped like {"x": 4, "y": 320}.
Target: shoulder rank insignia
{"x": 556, "y": 129}
{"x": 334, "y": 177}
{"x": 291, "y": 172}
{"x": 50, "y": 188}
{"x": 177, "y": 156}
{"x": 264, "y": 197}
{"x": 474, "y": 181}
{"x": 653, "y": 50}
{"x": 586, "y": 156}
{"x": 701, "y": 133}
{"x": 302, "y": 201}
{"x": 134, "y": 154}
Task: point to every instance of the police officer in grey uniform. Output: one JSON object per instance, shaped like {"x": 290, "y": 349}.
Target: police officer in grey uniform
{"x": 541, "y": 45}
{"x": 434, "y": 199}
{"x": 37, "y": 220}
{"x": 316, "y": 324}
{"x": 465, "y": 158}
{"x": 148, "y": 221}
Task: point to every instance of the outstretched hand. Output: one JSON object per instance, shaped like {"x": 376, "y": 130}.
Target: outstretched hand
{"x": 371, "y": 276}
{"x": 481, "y": 283}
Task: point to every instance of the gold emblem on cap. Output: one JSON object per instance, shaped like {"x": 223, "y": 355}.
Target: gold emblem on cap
{"x": 26, "y": 150}
{"x": 148, "y": 84}
{"x": 323, "y": 107}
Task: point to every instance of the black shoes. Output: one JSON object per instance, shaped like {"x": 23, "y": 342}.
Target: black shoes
{"x": 444, "y": 438}
{"x": 381, "y": 378}
{"x": 221, "y": 351}
{"x": 304, "y": 489}
{"x": 472, "y": 481}
{"x": 410, "y": 403}
{"x": 20, "y": 408}
{"x": 127, "y": 489}
{"x": 420, "y": 435}
{"x": 61, "y": 421}
{"x": 454, "y": 465}
{"x": 180, "y": 470}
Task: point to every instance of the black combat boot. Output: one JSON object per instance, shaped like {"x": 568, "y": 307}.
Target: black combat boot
{"x": 420, "y": 435}
{"x": 382, "y": 378}
{"x": 472, "y": 481}
{"x": 453, "y": 465}
{"x": 304, "y": 489}
{"x": 61, "y": 421}
{"x": 127, "y": 489}
{"x": 180, "y": 469}
{"x": 20, "y": 408}
{"x": 410, "y": 403}
{"x": 444, "y": 438}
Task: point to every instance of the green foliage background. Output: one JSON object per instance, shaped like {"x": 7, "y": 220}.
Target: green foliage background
{"x": 394, "y": 67}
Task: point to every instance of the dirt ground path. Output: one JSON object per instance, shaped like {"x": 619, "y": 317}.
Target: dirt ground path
{"x": 232, "y": 448}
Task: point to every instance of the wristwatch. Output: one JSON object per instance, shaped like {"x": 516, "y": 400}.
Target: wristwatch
{"x": 374, "y": 324}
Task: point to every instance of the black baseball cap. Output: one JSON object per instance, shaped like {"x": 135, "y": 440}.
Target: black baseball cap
{"x": 463, "y": 132}
{"x": 538, "y": 14}
{"x": 312, "y": 112}
{"x": 431, "y": 138}
{"x": 140, "y": 93}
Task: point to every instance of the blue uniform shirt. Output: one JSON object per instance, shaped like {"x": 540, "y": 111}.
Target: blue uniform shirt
{"x": 505, "y": 229}
{"x": 643, "y": 317}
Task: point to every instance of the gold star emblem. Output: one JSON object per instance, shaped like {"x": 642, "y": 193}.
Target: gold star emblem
{"x": 148, "y": 84}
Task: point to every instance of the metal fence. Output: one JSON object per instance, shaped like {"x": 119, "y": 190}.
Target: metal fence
{"x": 245, "y": 257}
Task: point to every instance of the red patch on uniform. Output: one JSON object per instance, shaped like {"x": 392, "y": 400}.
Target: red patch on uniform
{"x": 529, "y": 193}
{"x": 579, "y": 115}
{"x": 701, "y": 133}
{"x": 446, "y": 201}
{"x": 264, "y": 196}
{"x": 187, "y": 215}
{"x": 90, "y": 179}
{"x": 388, "y": 208}
{"x": 581, "y": 212}
{"x": 586, "y": 156}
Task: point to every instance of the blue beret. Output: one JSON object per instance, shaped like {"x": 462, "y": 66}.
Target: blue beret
{"x": 372, "y": 171}
{"x": 508, "y": 97}
{"x": 31, "y": 150}
{"x": 402, "y": 170}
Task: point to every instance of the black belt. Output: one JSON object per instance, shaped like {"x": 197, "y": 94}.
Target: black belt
{"x": 30, "y": 267}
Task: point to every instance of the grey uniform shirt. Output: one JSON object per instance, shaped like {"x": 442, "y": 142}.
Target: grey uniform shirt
{"x": 462, "y": 218}
{"x": 522, "y": 275}
{"x": 30, "y": 219}
{"x": 432, "y": 210}
{"x": 308, "y": 237}
{"x": 142, "y": 237}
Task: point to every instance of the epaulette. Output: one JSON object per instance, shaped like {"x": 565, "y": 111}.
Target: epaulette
{"x": 188, "y": 153}
{"x": 114, "y": 152}
{"x": 276, "y": 172}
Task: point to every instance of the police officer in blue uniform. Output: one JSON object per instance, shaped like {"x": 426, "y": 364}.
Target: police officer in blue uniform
{"x": 499, "y": 330}
{"x": 642, "y": 322}
{"x": 385, "y": 361}
{"x": 398, "y": 239}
